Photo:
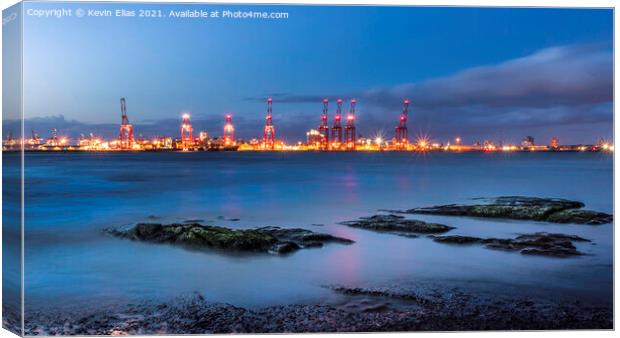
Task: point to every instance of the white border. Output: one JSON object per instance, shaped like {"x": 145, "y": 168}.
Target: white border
{"x": 485, "y": 3}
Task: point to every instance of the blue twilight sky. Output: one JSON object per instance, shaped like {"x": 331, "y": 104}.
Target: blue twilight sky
{"x": 478, "y": 73}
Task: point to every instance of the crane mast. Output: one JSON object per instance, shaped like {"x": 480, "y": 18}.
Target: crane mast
{"x": 336, "y": 137}
{"x": 349, "y": 129}
{"x": 269, "y": 132}
{"x": 324, "y": 126}
{"x": 400, "y": 136}
{"x": 126, "y": 129}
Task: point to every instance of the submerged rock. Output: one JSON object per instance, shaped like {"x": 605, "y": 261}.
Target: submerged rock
{"x": 285, "y": 247}
{"x": 267, "y": 239}
{"x": 222, "y": 218}
{"x": 302, "y": 237}
{"x": 456, "y": 239}
{"x": 554, "y": 210}
{"x": 193, "y": 220}
{"x": 382, "y": 292}
{"x": 398, "y": 225}
{"x": 540, "y": 243}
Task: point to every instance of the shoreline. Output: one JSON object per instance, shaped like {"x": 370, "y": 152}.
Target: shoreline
{"x": 404, "y": 307}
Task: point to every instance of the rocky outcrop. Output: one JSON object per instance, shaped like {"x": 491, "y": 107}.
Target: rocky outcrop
{"x": 526, "y": 208}
{"x": 267, "y": 239}
{"x": 580, "y": 217}
{"x": 398, "y": 225}
{"x": 540, "y": 243}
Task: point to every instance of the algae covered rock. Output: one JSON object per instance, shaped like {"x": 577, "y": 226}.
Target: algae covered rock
{"x": 554, "y": 210}
{"x": 398, "y": 225}
{"x": 302, "y": 236}
{"x": 267, "y": 239}
{"x": 580, "y": 217}
{"x": 540, "y": 243}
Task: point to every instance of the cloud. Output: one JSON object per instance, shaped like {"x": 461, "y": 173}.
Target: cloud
{"x": 563, "y": 85}
{"x": 564, "y": 75}
{"x": 569, "y": 75}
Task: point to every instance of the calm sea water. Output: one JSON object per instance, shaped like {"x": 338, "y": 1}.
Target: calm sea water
{"x": 70, "y": 198}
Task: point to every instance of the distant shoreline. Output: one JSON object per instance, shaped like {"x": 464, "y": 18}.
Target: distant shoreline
{"x": 588, "y": 150}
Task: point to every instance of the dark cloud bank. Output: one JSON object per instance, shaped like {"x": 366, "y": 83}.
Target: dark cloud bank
{"x": 565, "y": 91}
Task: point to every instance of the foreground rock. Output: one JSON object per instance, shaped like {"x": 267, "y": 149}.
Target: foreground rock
{"x": 540, "y": 243}
{"x": 267, "y": 239}
{"x": 527, "y": 208}
{"x": 398, "y": 225}
{"x": 400, "y": 310}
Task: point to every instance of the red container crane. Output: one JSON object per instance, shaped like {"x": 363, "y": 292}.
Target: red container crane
{"x": 269, "y": 132}
{"x": 324, "y": 126}
{"x": 229, "y": 131}
{"x": 336, "y": 138}
{"x": 349, "y": 129}
{"x": 187, "y": 132}
{"x": 400, "y": 136}
{"x": 126, "y": 130}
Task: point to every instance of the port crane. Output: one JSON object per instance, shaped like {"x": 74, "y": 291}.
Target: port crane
{"x": 324, "y": 126}
{"x": 349, "y": 129}
{"x": 400, "y": 136}
{"x": 229, "y": 131}
{"x": 337, "y": 127}
{"x": 126, "y": 130}
{"x": 187, "y": 132}
{"x": 269, "y": 132}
